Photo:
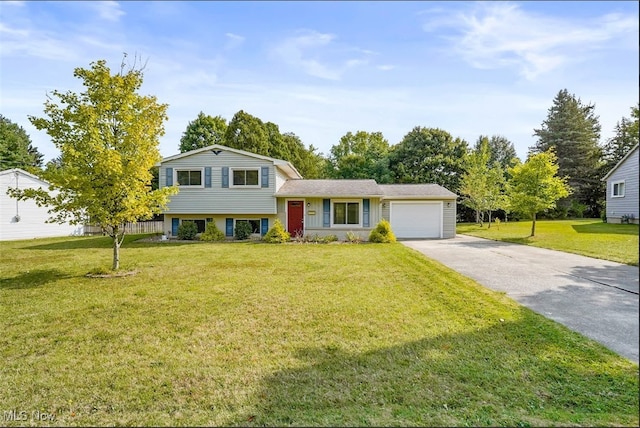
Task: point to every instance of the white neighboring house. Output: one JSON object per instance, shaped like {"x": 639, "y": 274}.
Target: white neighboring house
{"x": 25, "y": 219}
{"x": 622, "y": 190}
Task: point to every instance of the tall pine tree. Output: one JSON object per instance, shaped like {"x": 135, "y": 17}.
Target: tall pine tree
{"x": 572, "y": 130}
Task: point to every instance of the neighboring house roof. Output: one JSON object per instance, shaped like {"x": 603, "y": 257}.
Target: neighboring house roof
{"x": 330, "y": 188}
{"x": 282, "y": 164}
{"x": 416, "y": 191}
{"x": 362, "y": 188}
{"x": 620, "y": 163}
{"x": 23, "y": 172}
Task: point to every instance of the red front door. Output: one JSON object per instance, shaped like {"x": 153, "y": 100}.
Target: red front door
{"x": 295, "y": 218}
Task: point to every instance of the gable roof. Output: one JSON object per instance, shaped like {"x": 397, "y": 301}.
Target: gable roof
{"x": 330, "y": 188}
{"x": 282, "y": 164}
{"x": 620, "y": 163}
{"x": 25, "y": 173}
{"x": 416, "y": 191}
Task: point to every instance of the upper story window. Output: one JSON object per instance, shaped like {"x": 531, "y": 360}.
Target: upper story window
{"x": 346, "y": 213}
{"x": 246, "y": 177}
{"x": 189, "y": 177}
{"x": 617, "y": 189}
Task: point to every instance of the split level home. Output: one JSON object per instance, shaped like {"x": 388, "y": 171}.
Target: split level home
{"x": 228, "y": 186}
{"x": 622, "y": 190}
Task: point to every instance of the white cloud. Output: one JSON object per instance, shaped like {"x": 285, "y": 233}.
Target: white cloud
{"x": 108, "y": 10}
{"x": 498, "y": 35}
{"x": 233, "y": 40}
{"x": 318, "y": 54}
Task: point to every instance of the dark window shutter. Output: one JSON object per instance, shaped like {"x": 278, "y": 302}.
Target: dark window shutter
{"x": 365, "y": 212}
{"x": 207, "y": 176}
{"x": 265, "y": 176}
{"x": 175, "y": 222}
{"x": 169, "y": 176}
{"x": 229, "y": 227}
{"x": 225, "y": 177}
{"x": 326, "y": 212}
{"x": 264, "y": 226}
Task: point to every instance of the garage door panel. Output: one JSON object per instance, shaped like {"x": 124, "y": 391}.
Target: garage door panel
{"x": 416, "y": 220}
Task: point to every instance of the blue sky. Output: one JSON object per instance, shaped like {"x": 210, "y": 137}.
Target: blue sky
{"x": 322, "y": 69}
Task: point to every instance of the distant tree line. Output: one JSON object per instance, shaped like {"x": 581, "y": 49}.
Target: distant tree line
{"x": 480, "y": 173}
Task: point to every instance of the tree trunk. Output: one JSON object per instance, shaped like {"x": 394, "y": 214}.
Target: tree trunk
{"x": 533, "y": 225}
{"x": 116, "y": 253}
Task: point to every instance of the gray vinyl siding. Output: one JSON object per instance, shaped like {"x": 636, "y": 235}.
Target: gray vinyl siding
{"x": 627, "y": 171}
{"x": 448, "y": 215}
{"x": 216, "y": 199}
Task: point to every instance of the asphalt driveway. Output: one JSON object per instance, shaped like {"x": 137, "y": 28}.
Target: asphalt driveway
{"x": 596, "y": 298}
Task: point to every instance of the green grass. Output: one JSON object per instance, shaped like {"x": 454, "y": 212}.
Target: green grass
{"x": 254, "y": 334}
{"x": 588, "y": 237}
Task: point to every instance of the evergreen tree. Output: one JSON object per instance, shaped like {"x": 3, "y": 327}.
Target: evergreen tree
{"x": 16, "y": 149}
{"x": 625, "y": 139}
{"x": 572, "y": 130}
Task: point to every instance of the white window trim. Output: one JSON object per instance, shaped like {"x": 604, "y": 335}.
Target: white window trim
{"x": 245, "y": 186}
{"x": 182, "y": 186}
{"x": 613, "y": 185}
{"x": 347, "y": 226}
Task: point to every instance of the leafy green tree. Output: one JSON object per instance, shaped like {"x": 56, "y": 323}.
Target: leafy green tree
{"x": 535, "y": 185}
{"x": 482, "y": 183}
{"x": 248, "y": 133}
{"x": 308, "y": 163}
{"x": 16, "y": 149}
{"x": 360, "y": 155}
{"x": 428, "y": 155}
{"x": 204, "y": 131}
{"x": 501, "y": 150}
{"x": 108, "y": 138}
{"x": 573, "y": 130}
{"x": 627, "y": 136}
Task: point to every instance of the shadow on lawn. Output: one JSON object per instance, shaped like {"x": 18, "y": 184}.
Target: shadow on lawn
{"x": 609, "y": 228}
{"x": 32, "y": 278}
{"x": 517, "y": 373}
{"x": 77, "y": 243}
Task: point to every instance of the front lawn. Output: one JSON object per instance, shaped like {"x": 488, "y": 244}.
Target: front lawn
{"x": 588, "y": 237}
{"x": 254, "y": 334}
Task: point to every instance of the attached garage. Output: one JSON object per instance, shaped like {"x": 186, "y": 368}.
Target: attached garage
{"x": 416, "y": 219}
{"x": 419, "y": 211}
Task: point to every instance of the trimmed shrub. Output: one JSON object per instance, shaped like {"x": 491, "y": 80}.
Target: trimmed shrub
{"x": 243, "y": 230}
{"x": 382, "y": 233}
{"x": 353, "y": 238}
{"x": 276, "y": 234}
{"x": 212, "y": 233}
{"x": 187, "y": 230}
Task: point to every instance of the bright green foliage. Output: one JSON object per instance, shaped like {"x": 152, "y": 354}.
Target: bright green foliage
{"x": 187, "y": 230}
{"x": 212, "y": 233}
{"x": 535, "y": 186}
{"x": 276, "y": 234}
{"x": 483, "y": 181}
{"x": 353, "y": 238}
{"x": 626, "y": 138}
{"x": 204, "y": 131}
{"x": 573, "y": 130}
{"x": 243, "y": 230}
{"x": 16, "y": 150}
{"x": 108, "y": 140}
{"x": 428, "y": 155}
{"x": 359, "y": 156}
{"x": 382, "y": 233}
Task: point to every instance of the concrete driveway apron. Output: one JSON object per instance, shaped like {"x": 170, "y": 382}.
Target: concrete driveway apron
{"x": 596, "y": 298}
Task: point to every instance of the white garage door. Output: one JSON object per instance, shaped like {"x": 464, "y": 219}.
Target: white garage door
{"x": 416, "y": 219}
